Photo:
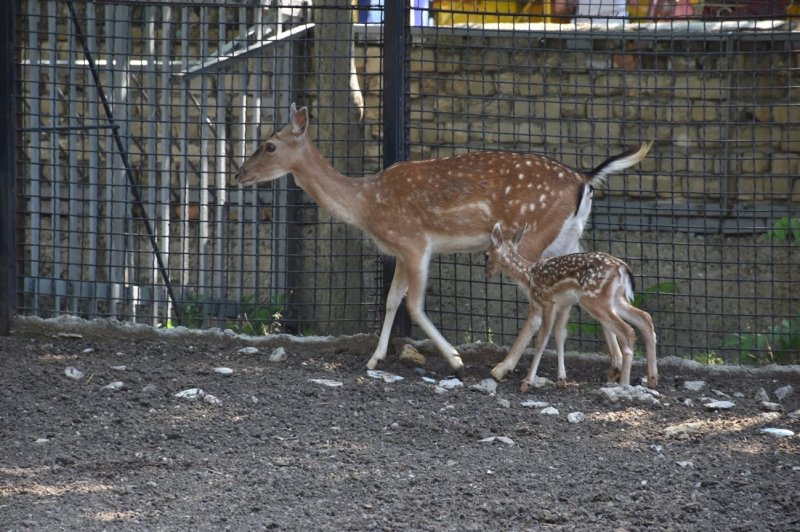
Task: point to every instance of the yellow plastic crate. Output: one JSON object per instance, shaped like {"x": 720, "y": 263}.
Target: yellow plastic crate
{"x": 449, "y": 12}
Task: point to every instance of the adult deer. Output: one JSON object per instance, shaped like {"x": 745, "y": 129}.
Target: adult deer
{"x": 603, "y": 286}
{"x": 414, "y": 209}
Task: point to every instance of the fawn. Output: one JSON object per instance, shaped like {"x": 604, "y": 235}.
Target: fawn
{"x": 603, "y": 286}
{"x": 414, "y": 209}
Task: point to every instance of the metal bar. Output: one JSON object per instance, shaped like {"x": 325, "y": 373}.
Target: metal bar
{"x": 59, "y": 129}
{"x": 123, "y": 155}
{"x": 55, "y": 166}
{"x": 8, "y": 189}
{"x": 34, "y": 174}
{"x": 220, "y": 62}
{"x": 395, "y": 141}
{"x": 93, "y": 201}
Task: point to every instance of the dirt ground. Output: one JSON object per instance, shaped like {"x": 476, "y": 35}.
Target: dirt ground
{"x": 279, "y": 450}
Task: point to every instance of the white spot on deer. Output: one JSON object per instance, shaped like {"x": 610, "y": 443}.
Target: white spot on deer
{"x": 508, "y": 189}
{"x": 532, "y": 206}
{"x": 561, "y": 174}
{"x": 528, "y": 163}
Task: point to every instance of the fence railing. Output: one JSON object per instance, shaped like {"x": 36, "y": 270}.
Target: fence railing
{"x": 126, "y": 209}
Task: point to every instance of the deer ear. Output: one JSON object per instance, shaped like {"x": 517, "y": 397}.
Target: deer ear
{"x": 299, "y": 120}
{"x": 497, "y": 235}
{"x": 517, "y": 238}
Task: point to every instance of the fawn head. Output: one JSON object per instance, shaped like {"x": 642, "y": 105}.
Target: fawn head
{"x": 279, "y": 154}
{"x": 501, "y": 250}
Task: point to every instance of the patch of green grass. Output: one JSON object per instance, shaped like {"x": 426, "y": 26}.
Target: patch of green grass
{"x": 785, "y": 229}
{"x": 780, "y": 344}
{"x": 260, "y": 318}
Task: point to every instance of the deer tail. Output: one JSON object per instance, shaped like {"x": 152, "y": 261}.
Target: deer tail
{"x": 618, "y": 163}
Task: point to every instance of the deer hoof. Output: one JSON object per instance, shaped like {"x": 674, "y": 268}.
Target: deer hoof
{"x": 614, "y": 375}
{"x": 524, "y": 387}
{"x": 561, "y": 383}
{"x": 498, "y": 373}
{"x": 652, "y": 382}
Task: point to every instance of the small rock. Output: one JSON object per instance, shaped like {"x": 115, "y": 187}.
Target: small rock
{"x": 88, "y": 350}
{"x": 771, "y": 407}
{"x": 694, "y": 386}
{"x": 505, "y": 403}
{"x": 42, "y": 440}
{"x": 191, "y": 394}
{"x": 720, "y": 393}
{"x": 549, "y": 411}
{"x": 778, "y": 433}
{"x": 409, "y": 356}
{"x": 114, "y": 386}
{"x": 224, "y": 371}
{"x": 783, "y": 392}
{"x": 631, "y": 393}
{"x": 576, "y": 417}
{"x": 541, "y": 382}
{"x": 385, "y": 376}
{"x": 719, "y": 405}
{"x": 502, "y": 439}
{"x": 739, "y": 395}
{"x": 248, "y": 350}
{"x": 211, "y": 399}
{"x": 149, "y": 388}
{"x": 688, "y": 402}
{"x": 795, "y": 414}
{"x": 278, "y": 355}
{"x": 656, "y": 448}
{"x": 685, "y": 463}
{"x": 761, "y": 395}
{"x": 682, "y": 430}
{"x": 450, "y": 384}
{"x": 73, "y": 373}
{"x": 119, "y": 368}
{"x": 329, "y": 383}
{"x": 429, "y": 380}
{"x": 487, "y": 386}
{"x": 532, "y": 403}
{"x": 72, "y": 336}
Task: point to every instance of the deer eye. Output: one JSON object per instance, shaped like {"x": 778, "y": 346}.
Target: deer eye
{"x": 270, "y": 147}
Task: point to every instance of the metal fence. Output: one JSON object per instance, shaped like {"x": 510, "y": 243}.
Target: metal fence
{"x": 133, "y": 117}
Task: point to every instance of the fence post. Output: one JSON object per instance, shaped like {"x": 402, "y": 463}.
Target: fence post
{"x": 8, "y": 209}
{"x": 395, "y": 142}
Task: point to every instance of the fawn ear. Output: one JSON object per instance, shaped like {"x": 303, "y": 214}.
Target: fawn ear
{"x": 497, "y": 235}
{"x": 517, "y": 238}
{"x": 299, "y": 120}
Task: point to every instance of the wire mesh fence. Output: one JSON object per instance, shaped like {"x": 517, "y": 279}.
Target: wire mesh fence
{"x": 134, "y": 117}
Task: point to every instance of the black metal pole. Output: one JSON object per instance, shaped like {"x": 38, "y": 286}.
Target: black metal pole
{"x": 8, "y": 188}
{"x": 395, "y": 141}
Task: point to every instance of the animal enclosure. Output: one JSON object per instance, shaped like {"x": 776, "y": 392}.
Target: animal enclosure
{"x": 133, "y": 117}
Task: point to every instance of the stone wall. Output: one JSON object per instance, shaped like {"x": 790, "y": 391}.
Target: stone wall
{"x": 724, "y": 167}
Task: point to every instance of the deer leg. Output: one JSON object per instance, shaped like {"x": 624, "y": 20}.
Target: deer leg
{"x": 561, "y": 337}
{"x": 548, "y": 315}
{"x": 396, "y": 292}
{"x": 529, "y": 328}
{"x": 644, "y": 322}
{"x": 603, "y": 312}
{"x": 614, "y": 355}
{"x": 416, "y": 308}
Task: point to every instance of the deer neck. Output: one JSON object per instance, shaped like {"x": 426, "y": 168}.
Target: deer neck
{"x": 519, "y": 269}
{"x": 341, "y": 196}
